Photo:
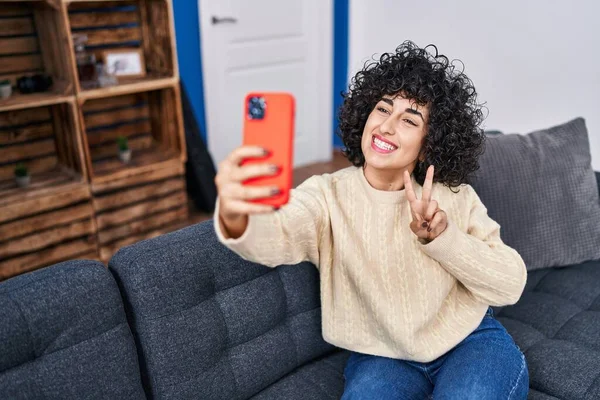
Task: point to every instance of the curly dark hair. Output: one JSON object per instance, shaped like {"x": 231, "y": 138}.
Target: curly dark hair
{"x": 454, "y": 140}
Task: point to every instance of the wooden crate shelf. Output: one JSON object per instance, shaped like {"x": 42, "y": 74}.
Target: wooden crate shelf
{"x": 47, "y": 140}
{"x": 146, "y": 25}
{"x": 83, "y": 202}
{"x": 34, "y": 40}
{"x": 139, "y": 207}
{"x": 43, "y": 230}
{"x": 52, "y": 219}
{"x": 151, "y": 120}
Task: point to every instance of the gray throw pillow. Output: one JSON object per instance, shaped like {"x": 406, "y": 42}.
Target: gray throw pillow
{"x": 542, "y": 190}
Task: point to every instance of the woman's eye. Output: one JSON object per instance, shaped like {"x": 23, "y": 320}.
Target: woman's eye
{"x": 383, "y": 110}
{"x": 410, "y": 122}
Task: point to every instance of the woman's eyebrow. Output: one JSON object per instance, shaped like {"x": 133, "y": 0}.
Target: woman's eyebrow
{"x": 408, "y": 110}
{"x": 415, "y": 112}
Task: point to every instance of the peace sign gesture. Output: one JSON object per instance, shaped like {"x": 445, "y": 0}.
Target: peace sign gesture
{"x": 429, "y": 221}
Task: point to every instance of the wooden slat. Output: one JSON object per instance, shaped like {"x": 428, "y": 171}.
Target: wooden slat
{"x": 46, "y": 238}
{"x": 137, "y": 194}
{"x": 115, "y": 116}
{"x": 127, "y": 100}
{"x": 17, "y": 26}
{"x": 108, "y": 250}
{"x": 135, "y": 228}
{"x": 18, "y": 45}
{"x": 98, "y": 19}
{"x": 36, "y": 166}
{"x": 20, "y": 63}
{"x": 22, "y": 117}
{"x": 14, "y": 10}
{"x": 123, "y": 215}
{"x": 29, "y": 225}
{"x": 24, "y": 133}
{"x": 112, "y": 36}
{"x": 48, "y": 180}
{"x": 169, "y": 169}
{"x": 158, "y": 45}
{"x": 127, "y": 130}
{"x": 80, "y": 5}
{"x": 52, "y": 255}
{"x": 110, "y": 149}
{"x": 71, "y": 195}
{"x": 130, "y": 85}
{"x": 150, "y": 159}
{"x": 29, "y": 150}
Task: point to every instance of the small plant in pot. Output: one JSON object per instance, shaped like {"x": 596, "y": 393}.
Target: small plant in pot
{"x": 22, "y": 175}
{"x": 5, "y": 89}
{"x": 124, "y": 150}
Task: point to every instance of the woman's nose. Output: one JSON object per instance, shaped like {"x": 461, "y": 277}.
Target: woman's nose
{"x": 387, "y": 126}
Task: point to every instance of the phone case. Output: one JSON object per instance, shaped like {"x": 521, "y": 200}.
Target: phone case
{"x": 269, "y": 123}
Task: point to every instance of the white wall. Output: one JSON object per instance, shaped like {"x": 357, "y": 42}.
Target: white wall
{"x": 535, "y": 62}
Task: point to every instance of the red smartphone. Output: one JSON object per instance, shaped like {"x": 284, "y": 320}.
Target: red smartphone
{"x": 269, "y": 123}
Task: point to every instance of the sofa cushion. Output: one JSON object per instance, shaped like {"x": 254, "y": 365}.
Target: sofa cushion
{"x": 321, "y": 379}
{"x": 64, "y": 335}
{"x": 556, "y": 323}
{"x": 541, "y": 189}
{"x": 213, "y": 326}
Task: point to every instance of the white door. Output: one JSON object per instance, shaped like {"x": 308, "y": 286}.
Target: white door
{"x": 268, "y": 45}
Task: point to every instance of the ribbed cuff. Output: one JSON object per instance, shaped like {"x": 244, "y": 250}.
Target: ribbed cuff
{"x": 445, "y": 245}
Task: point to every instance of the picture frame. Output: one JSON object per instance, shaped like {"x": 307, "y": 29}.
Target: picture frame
{"x": 125, "y": 62}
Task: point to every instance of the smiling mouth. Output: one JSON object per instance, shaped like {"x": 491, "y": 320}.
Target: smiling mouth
{"x": 381, "y": 146}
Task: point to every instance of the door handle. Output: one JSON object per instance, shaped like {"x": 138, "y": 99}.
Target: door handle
{"x": 223, "y": 20}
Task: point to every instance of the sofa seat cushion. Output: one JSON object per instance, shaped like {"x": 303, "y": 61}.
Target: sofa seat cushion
{"x": 556, "y": 323}
{"x": 321, "y": 379}
{"x": 64, "y": 335}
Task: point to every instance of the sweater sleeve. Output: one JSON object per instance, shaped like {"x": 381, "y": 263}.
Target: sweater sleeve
{"x": 287, "y": 236}
{"x": 492, "y": 271}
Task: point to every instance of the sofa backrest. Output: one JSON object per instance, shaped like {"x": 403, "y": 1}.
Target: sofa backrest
{"x": 598, "y": 180}
{"x": 64, "y": 335}
{"x": 210, "y": 325}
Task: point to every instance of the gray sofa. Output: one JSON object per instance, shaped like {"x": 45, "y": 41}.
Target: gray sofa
{"x": 182, "y": 317}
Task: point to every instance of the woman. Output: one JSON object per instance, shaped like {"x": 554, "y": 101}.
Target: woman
{"x": 409, "y": 260}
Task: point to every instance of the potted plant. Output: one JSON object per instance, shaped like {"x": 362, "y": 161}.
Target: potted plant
{"x": 124, "y": 150}
{"x": 5, "y": 89}
{"x": 22, "y": 175}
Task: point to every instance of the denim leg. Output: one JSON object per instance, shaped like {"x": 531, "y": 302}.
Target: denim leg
{"x": 371, "y": 377}
{"x": 486, "y": 365}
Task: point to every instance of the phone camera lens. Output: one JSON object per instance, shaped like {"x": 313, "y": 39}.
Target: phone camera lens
{"x": 256, "y": 108}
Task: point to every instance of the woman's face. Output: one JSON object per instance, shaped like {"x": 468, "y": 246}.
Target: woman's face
{"x": 393, "y": 135}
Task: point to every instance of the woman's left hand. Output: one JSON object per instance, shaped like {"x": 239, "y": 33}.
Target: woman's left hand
{"x": 429, "y": 221}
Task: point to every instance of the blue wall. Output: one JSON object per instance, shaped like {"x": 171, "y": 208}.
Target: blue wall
{"x": 340, "y": 60}
{"x": 187, "y": 32}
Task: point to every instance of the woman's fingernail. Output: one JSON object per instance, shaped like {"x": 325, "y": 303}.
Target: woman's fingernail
{"x": 424, "y": 224}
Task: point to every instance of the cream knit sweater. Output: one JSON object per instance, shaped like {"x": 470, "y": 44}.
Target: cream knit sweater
{"x": 383, "y": 292}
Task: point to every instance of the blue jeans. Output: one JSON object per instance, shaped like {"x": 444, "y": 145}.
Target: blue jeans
{"x": 486, "y": 365}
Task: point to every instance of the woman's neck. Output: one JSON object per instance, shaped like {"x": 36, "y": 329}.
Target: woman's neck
{"x": 388, "y": 180}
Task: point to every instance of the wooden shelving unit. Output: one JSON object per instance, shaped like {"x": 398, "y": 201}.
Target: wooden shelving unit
{"x": 52, "y": 219}
{"x": 83, "y": 202}
{"x": 34, "y": 40}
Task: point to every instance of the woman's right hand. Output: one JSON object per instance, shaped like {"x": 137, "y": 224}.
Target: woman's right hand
{"x": 234, "y": 196}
